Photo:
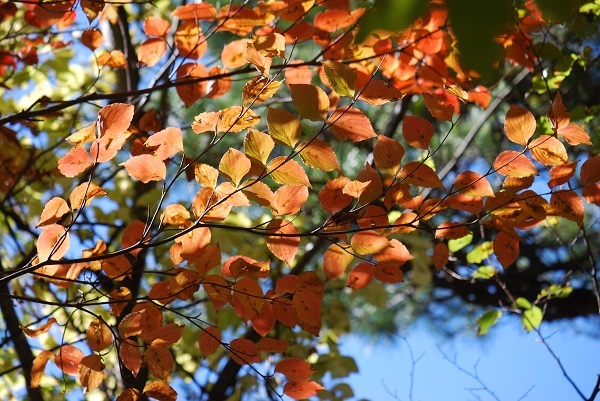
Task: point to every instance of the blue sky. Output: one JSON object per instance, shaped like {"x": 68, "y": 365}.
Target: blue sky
{"x": 509, "y": 361}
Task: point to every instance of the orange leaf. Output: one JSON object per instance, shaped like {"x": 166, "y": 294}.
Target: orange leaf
{"x": 514, "y": 164}
{"x": 368, "y": 242}
{"x": 332, "y": 197}
{"x": 249, "y": 293}
{"x": 574, "y": 135}
{"x": 506, "y": 249}
{"x": 235, "y": 165}
{"x": 375, "y": 187}
{"x": 300, "y": 390}
{"x": 53, "y": 243}
{"x": 237, "y": 119}
{"x": 114, "y": 119}
{"x": 91, "y": 372}
{"x": 244, "y": 351}
{"x": 351, "y": 123}
{"x": 548, "y": 150}
{"x": 132, "y": 324}
{"x": 310, "y": 101}
{"x": 301, "y": 74}
{"x": 99, "y": 336}
{"x": 562, "y": 174}
{"x": 209, "y": 340}
{"x": 259, "y": 89}
{"x": 261, "y": 62}
{"x": 308, "y": 311}
{"x": 388, "y": 273}
{"x": 193, "y": 91}
{"x": 206, "y": 175}
{"x": 159, "y": 390}
{"x": 473, "y": 184}
{"x": 169, "y": 142}
{"x": 438, "y": 109}
{"x": 195, "y": 11}
{"x": 271, "y": 44}
{"x": 159, "y": 361}
{"x": 84, "y": 193}
{"x": 387, "y": 154}
{"x": 283, "y": 241}
{"x": 396, "y": 254}
{"x": 205, "y": 122}
{"x": 232, "y": 55}
{"x": 54, "y": 209}
{"x": 273, "y": 345}
{"x": 591, "y": 193}
{"x": 417, "y": 132}
{"x": 451, "y": 230}
{"x": 260, "y": 193}
{"x": 114, "y": 59}
{"x": 289, "y": 199}
{"x": 38, "y": 366}
{"x": 441, "y": 254}
{"x": 519, "y": 125}
{"x": 264, "y": 322}
{"x": 284, "y": 127}
{"x": 146, "y": 168}
{"x": 74, "y": 162}
{"x": 190, "y": 41}
{"x": 156, "y": 26}
{"x": 41, "y": 329}
{"x": 360, "y": 276}
{"x": 287, "y": 172}
{"x": 294, "y": 369}
{"x": 590, "y": 170}
{"x": 175, "y": 215}
{"x": 217, "y": 289}
{"x": 316, "y": 153}
{"x": 84, "y": 135}
{"x": 68, "y": 359}
{"x": 378, "y": 92}
{"x": 151, "y": 51}
{"x": 557, "y": 114}
{"x": 420, "y": 175}
{"x": 355, "y": 188}
{"x": 92, "y": 38}
{"x": 569, "y": 205}
{"x": 166, "y": 335}
{"x": 258, "y": 146}
{"x": 336, "y": 260}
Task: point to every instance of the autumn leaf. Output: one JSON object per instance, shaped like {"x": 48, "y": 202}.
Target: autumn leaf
{"x": 169, "y": 142}
{"x": 420, "y": 175}
{"x": 284, "y": 127}
{"x": 360, "y": 276}
{"x": 74, "y": 162}
{"x": 417, "y": 132}
{"x": 289, "y": 199}
{"x": 438, "y": 109}
{"x": 197, "y": 86}
{"x": 282, "y": 239}
{"x": 244, "y": 351}
{"x": 146, "y": 168}
{"x": 41, "y": 329}
{"x": 300, "y": 390}
{"x": 53, "y": 243}
{"x": 369, "y": 242}
{"x": 113, "y": 59}
{"x": 287, "y": 172}
{"x": 83, "y": 194}
{"x": 151, "y": 51}
{"x": 336, "y": 260}
{"x": 38, "y": 367}
{"x": 54, "y": 209}
{"x": 114, "y": 119}
{"x": 351, "y": 123}
{"x": 91, "y": 372}
{"x": 514, "y": 164}
{"x": 519, "y": 125}
{"x": 271, "y": 44}
{"x": 473, "y": 184}
{"x": 378, "y": 92}
{"x": 261, "y": 62}
{"x": 259, "y": 89}
{"x": 84, "y": 135}
{"x": 209, "y": 340}
{"x": 316, "y": 153}
{"x": 441, "y": 255}
{"x": 506, "y": 249}
{"x": 195, "y": 11}
{"x": 548, "y": 150}
{"x": 156, "y": 26}
{"x": 341, "y": 77}
{"x": 310, "y": 101}
{"x": 387, "y": 154}
{"x": 332, "y": 197}
{"x": 235, "y": 165}
{"x": 258, "y": 145}
{"x": 159, "y": 390}
{"x": 294, "y": 369}
{"x": 590, "y": 170}
{"x": 159, "y": 361}
{"x": 99, "y": 336}
{"x": 68, "y": 359}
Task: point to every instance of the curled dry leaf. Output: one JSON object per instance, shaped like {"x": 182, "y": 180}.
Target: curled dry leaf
{"x": 259, "y": 89}
{"x": 41, "y": 329}
{"x": 38, "y": 367}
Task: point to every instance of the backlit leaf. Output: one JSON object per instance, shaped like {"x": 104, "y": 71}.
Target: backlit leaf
{"x": 68, "y": 359}
{"x": 473, "y": 184}
{"x": 189, "y": 40}
{"x": 146, "y": 168}
{"x": 336, "y": 260}
{"x": 38, "y": 367}
{"x": 417, "y": 132}
{"x": 244, "y": 351}
{"x": 316, "y": 153}
{"x": 440, "y": 256}
{"x": 196, "y": 88}
{"x": 259, "y": 89}
{"x": 360, "y": 276}
{"x": 341, "y": 77}
{"x": 235, "y": 165}
{"x": 99, "y": 336}
{"x": 53, "y": 242}
{"x": 574, "y": 135}
{"x": 590, "y": 170}
{"x": 159, "y": 361}
{"x": 54, "y": 209}
{"x": 368, "y": 242}
{"x": 91, "y": 372}
{"x": 420, "y": 175}
{"x": 310, "y": 101}
{"x": 506, "y": 249}
{"x": 561, "y": 174}
{"x": 519, "y": 125}
{"x": 300, "y": 390}
{"x": 289, "y": 199}
{"x": 74, "y": 162}
{"x": 151, "y": 51}
{"x": 159, "y": 390}
{"x": 351, "y": 123}
{"x": 209, "y": 340}
{"x": 387, "y": 154}
{"x": 438, "y": 109}
{"x": 287, "y": 172}
{"x": 169, "y": 142}
{"x": 294, "y": 369}
{"x": 514, "y": 164}
{"x": 39, "y": 330}
{"x": 378, "y": 92}
{"x": 258, "y": 146}
{"x": 283, "y": 240}
{"x": 548, "y": 150}
{"x": 284, "y": 127}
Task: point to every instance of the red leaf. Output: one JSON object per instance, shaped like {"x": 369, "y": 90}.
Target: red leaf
{"x": 294, "y": 369}
{"x": 130, "y": 354}
{"x": 264, "y": 322}
{"x": 68, "y": 359}
{"x": 360, "y": 276}
{"x": 146, "y": 168}
{"x": 378, "y": 92}
{"x": 300, "y": 390}
{"x": 590, "y": 170}
{"x": 420, "y": 175}
{"x": 396, "y": 254}
{"x": 417, "y": 132}
{"x": 284, "y": 247}
{"x": 244, "y": 351}
{"x": 209, "y": 340}
{"x": 440, "y": 256}
{"x": 332, "y": 197}
{"x": 506, "y": 249}
{"x": 195, "y": 11}
{"x": 574, "y": 135}
{"x": 351, "y": 123}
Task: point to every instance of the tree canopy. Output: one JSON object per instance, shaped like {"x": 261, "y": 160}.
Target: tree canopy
{"x": 199, "y": 198}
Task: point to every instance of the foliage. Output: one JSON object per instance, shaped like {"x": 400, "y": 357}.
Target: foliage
{"x": 208, "y": 193}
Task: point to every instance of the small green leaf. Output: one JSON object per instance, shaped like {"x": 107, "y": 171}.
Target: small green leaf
{"x": 485, "y": 272}
{"x": 480, "y": 252}
{"x": 532, "y": 318}
{"x": 341, "y": 77}
{"x": 523, "y": 303}
{"x": 455, "y": 245}
{"x": 487, "y": 320}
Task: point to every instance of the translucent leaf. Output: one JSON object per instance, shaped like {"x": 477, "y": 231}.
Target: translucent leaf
{"x": 519, "y": 125}
{"x": 351, "y": 123}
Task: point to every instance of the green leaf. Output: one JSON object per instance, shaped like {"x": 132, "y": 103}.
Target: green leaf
{"x": 485, "y": 272}
{"x": 455, "y": 245}
{"x": 480, "y": 252}
{"x": 532, "y": 318}
{"x": 391, "y": 15}
{"x": 523, "y": 303}
{"x": 487, "y": 320}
